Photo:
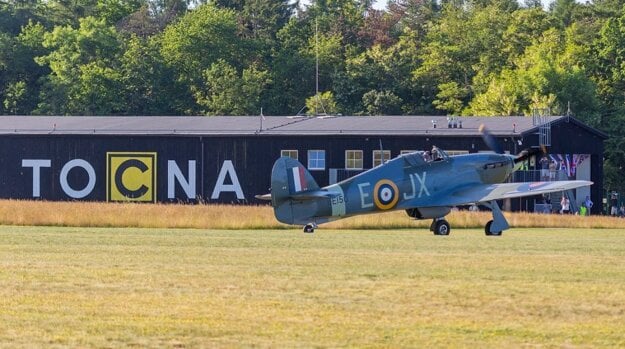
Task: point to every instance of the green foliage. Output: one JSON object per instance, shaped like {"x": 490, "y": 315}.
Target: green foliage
{"x": 226, "y": 92}
{"x": 166, "y": 57}
{"x": 381, "y": 103}
{"x": 544, "y": 77}
{"x": 321, "y": 104}
{"x": 199, "y": 39}
{"x": 450, "y": 98}
{"x": 14, "y": 94}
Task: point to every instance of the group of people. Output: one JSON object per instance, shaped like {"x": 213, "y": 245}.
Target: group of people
{"x": 547, "y": 169}
{"x": 584, "y": 209}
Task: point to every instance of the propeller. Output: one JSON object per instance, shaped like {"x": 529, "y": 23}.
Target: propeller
{"x": 490, "y": 140}
{"x": 492, "y": 143}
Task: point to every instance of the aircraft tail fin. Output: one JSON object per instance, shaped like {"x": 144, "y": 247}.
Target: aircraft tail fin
{"x": 289, "y": 178}
{"x": 290, "y": 181}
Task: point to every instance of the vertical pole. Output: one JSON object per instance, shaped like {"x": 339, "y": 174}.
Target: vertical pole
{"x": 316, "y": 66}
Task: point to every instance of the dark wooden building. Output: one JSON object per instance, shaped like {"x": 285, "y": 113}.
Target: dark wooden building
{"x": 229, "y": 159}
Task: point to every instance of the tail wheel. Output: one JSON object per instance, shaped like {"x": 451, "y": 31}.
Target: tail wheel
{"x": 309, "y": 228}
{"x": 488, "y": 232}
{"x": 442, "y": 227}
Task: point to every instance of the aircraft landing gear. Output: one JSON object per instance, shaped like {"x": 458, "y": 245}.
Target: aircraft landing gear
{"x": 488, "y": 232}
{"x": 310, "y": 228}
{"x": 440, "y": 227}
{"x": 498, "y": 224}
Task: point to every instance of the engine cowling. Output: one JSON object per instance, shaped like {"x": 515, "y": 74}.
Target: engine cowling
{"x": 428, "y": 212}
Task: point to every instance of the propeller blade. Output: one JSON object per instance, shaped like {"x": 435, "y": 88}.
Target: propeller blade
{"x": 490, "y": 140}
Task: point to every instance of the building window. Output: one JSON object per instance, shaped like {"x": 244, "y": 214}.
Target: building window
{"x": 316, "y": 159}
{"x": 290, "y": 153}
{"x": 353, "y": 159}
{"x": 377, "y": 157}
{"x": 456, "y": 152}
{"x": 404, "y": 152}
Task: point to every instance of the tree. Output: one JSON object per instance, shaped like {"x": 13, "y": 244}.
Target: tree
{"x": 451, "y": 55}
{"x": 150, "y": 87}
{"x": 543, "y": 77}
{"x": 323, "y": 103}
{"x": 226, "y": 92}
{"x": 14, "y": 96}
{"x": 83, "y": 64}
{"x": 450, "y": 98}
{"x": 381, "y": 103}
{"x": 199, "y": 39}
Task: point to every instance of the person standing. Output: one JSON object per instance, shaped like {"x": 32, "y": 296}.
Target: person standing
{"x": 588, "y": 204}
{"x": 613, "y": 204}
{"x": 544, "y": 169}
{"x": 566, "y": 205}
{"x": 552, "y": 170}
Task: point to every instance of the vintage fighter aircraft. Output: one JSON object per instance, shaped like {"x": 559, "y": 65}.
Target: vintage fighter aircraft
{"x": 425, "y": 185}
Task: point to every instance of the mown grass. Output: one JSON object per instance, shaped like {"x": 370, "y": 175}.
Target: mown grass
{"x": 103, "y": 287}
{"x": 100, "y": 214}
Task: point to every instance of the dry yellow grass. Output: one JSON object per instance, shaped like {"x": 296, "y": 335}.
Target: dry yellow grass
{"x": 99, "y": 214}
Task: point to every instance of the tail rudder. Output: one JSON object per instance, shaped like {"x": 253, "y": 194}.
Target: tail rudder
{"x": 289, "y": 177}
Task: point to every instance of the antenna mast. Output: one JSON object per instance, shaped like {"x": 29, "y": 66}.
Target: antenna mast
{"x": 316, "y": 66}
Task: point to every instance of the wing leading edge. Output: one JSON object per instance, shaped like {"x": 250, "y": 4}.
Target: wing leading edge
{"x": 490, "y": 192}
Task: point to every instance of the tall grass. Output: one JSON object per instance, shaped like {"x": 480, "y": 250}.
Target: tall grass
{"x": 99, "y": 214}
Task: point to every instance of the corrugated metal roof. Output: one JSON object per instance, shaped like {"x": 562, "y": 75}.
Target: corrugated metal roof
{"x": 271, "y": 125}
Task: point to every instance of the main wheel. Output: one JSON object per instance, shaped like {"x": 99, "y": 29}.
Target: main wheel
{"x": 488, "y": 232}
{"x": 442, "y": 227}
{"x": 309, "y": 228}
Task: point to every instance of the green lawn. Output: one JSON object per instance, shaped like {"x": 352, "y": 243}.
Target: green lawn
{"x": 189, "y": 288}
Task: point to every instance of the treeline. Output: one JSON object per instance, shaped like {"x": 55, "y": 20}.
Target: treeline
{"x": 234, "y": 57}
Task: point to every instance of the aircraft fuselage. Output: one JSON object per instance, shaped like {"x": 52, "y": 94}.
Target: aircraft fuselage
{"x": 405, "y": 183}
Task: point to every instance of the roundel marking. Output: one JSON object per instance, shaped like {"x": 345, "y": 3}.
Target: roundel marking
{"x": 385, "y": 194}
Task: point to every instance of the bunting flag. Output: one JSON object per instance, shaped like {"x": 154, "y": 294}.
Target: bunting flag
{"x": 568, "y": 162}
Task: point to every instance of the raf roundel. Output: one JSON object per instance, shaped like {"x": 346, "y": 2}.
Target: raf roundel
{"x": 385, "y": 194}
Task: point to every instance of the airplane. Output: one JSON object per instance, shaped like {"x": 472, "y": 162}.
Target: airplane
{"x": 425, "y": 185}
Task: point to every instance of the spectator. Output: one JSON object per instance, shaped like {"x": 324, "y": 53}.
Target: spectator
{"x": 621, "y": 211}
{"x": 588, "y": 204}
{"x": 566, "y": 205}
{"x": 614, "y": 203}
{"x": 544, "y": 169}
{"x": 552, "y": 170}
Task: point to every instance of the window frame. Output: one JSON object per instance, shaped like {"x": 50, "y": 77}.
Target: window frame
{"x": 317, "y": 168}
{"x": 347, "y": 159}
{"x": 282, "y": 151}
{"x": 383, "y": 158}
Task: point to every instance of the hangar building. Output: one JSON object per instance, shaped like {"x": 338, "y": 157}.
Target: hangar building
{"x": 229, "y": 159}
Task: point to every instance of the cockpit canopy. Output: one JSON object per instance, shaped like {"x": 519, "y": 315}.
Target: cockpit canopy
{"x": 421, "y": 157}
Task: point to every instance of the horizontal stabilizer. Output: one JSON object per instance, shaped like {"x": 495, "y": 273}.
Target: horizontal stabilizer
{"x": 303, "y": 196}
{"x": 311, "y": 195}
{"x": 266, "y": 197}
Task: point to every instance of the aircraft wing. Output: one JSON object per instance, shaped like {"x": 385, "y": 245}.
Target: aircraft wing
{"x": 489, "y": 192}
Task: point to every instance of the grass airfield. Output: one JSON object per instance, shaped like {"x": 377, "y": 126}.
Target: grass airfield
{"x": 119, "y": 287}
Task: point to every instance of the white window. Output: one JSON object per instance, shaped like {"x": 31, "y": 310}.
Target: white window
{"x": 456, "y": 152}
{"x": 377, "y": 157}
{"x": 290, "y": 153}
{"x": 316, "y": 159}
{"x": 353, "y": 159}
